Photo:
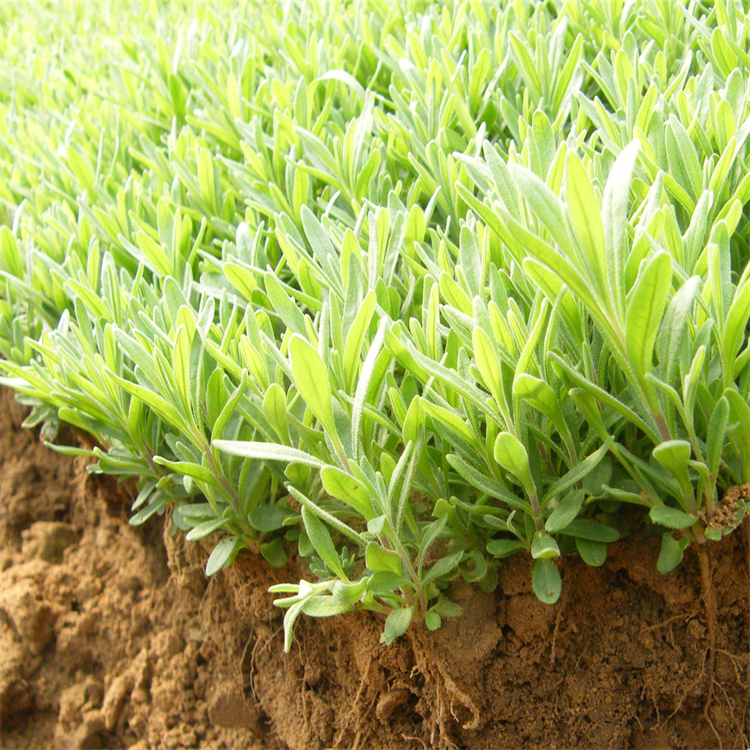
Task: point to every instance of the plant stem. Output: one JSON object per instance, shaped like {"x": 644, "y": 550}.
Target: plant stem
{"x": 537, "y": 510}
{"x": 218, "y": 471}
{"x": 412, "y": 574}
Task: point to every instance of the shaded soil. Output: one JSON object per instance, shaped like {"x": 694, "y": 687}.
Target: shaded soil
{"x": 112, "y": 637}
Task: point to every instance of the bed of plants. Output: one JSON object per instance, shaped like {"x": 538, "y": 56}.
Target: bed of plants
{"x": 401, "y": 289}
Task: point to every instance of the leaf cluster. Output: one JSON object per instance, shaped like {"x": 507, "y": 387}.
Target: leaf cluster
{"x": 401, "y": 288}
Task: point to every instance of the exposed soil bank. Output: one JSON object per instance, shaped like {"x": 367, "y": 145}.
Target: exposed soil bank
{"x": 111, "y": 638}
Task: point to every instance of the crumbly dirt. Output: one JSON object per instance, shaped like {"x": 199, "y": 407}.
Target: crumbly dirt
{"x": 102, "y": 645}
{"x": 111, "y": 637}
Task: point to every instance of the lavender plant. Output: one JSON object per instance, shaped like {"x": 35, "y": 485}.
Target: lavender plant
{"x": 400, "y": 288}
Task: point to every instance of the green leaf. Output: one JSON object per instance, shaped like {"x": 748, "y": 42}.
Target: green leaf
{"x": 615, "y": 493}
{"x": 268, "y": 517}
{"x": 586, "y": 403}
{"x": 189, "y": 469}
{"x": 375, "y": 526}
{"x": 322, "y": 542}
{"x": 181, "y": 366}
{"x": 163, "y": 408}
{"x": 447, "y": 418}
{"x": 442, "y": 567}
{"x": 453, "y": 380}
{"x": 317, "y": 236}
{"x": 543, "y": 546}
{"x": 189, "y": 511}
{"x": 384, "y": 582}
{"x": 324, "y": 515}
{"x": 346, "y": 488}
{"x": 645, "y": 309}
{"x": 324, "y": 606}
{"x": 713, "y": 533}
{"x": 545, "y": 578}
{"x": 545, "y": 204}
{"x": 563, "y": 268}
{"x": 541, "y": 396}
{"x": 565, "y": 512}
{"x": 413, "y": 422}
{"x": 675, "y": 320}
{"x": 683, "y": 159}
{"x": 241, "y": 278}
{"x": 532, "y": 340}
{"x": 471, "y": 261}
{"x": 475, "y": 567}
{"x": 346, "y": 78}
{"x": 429, "y": 535}
{"x": 446, "y": 608}
{"x": 349, "y": 593}
{"x": 615, "y": 220}
{"x": 223, "y": 554}
{"x": 432, "y": 620}
{"x": 511, "y": 455}
{"x": 592, "y": 553}
{"x": 489, "y": 367}
{"x": 356, "y": 337}
{"x": 274, "y": 553}
{"x": 289, "y": 619}
{"x": 487, "y": 484}
{"x": 229, "y": 408}
{"x": 275, "y": 411}
{"x": 740, "y": 415}
{"x": 504, "y": 547}
{"x": 595, "y": 480}
{"x": 311, "y": 379}
{"x": 363, "y": 385}
{"x": 381, "y": 560}
{"x": 672, "y": 518}
{"x": 525, "y": 63}
{"x": 717, "y": 428}
{"x": 501, "y": 177}
{"x": 584, "y": 528}
{"x": 9, "y": 253}
{"x": 735, "y": 328}
{"x": 396, "y": 624}
{"x": 202, "y": 530}
{"x": 605, "y": 397}
{"x": 585, "y": 218}
{"x": 670, "y": 554}
{"x": 673, "y": 455}
{"x": 579, "y": 471}
{"x": 206, "y": 180}
{"x": 267, "y": 452}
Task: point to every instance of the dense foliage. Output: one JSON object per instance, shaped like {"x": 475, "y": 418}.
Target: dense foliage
{"x": 402, "y": 288}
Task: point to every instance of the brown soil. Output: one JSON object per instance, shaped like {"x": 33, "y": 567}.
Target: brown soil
{"x": 111, "y": 638}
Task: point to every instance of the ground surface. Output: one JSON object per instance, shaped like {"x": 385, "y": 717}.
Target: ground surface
{"x": 111, "y": 638}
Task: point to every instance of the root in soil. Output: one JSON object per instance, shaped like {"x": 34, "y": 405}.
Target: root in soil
{"x": 112, "y": 638}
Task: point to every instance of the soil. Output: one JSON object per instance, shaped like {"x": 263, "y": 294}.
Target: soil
{"x": 112, "y": 637}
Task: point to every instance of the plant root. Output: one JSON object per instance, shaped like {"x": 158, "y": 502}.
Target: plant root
{"x": 556, "y": 630}
{"x": 709, "y": 600}
{"x": 684, "y": 695}
{"x": 668, "y": 621}
{"x": 447, "y": 693}
{"x": 355, "y": 717}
